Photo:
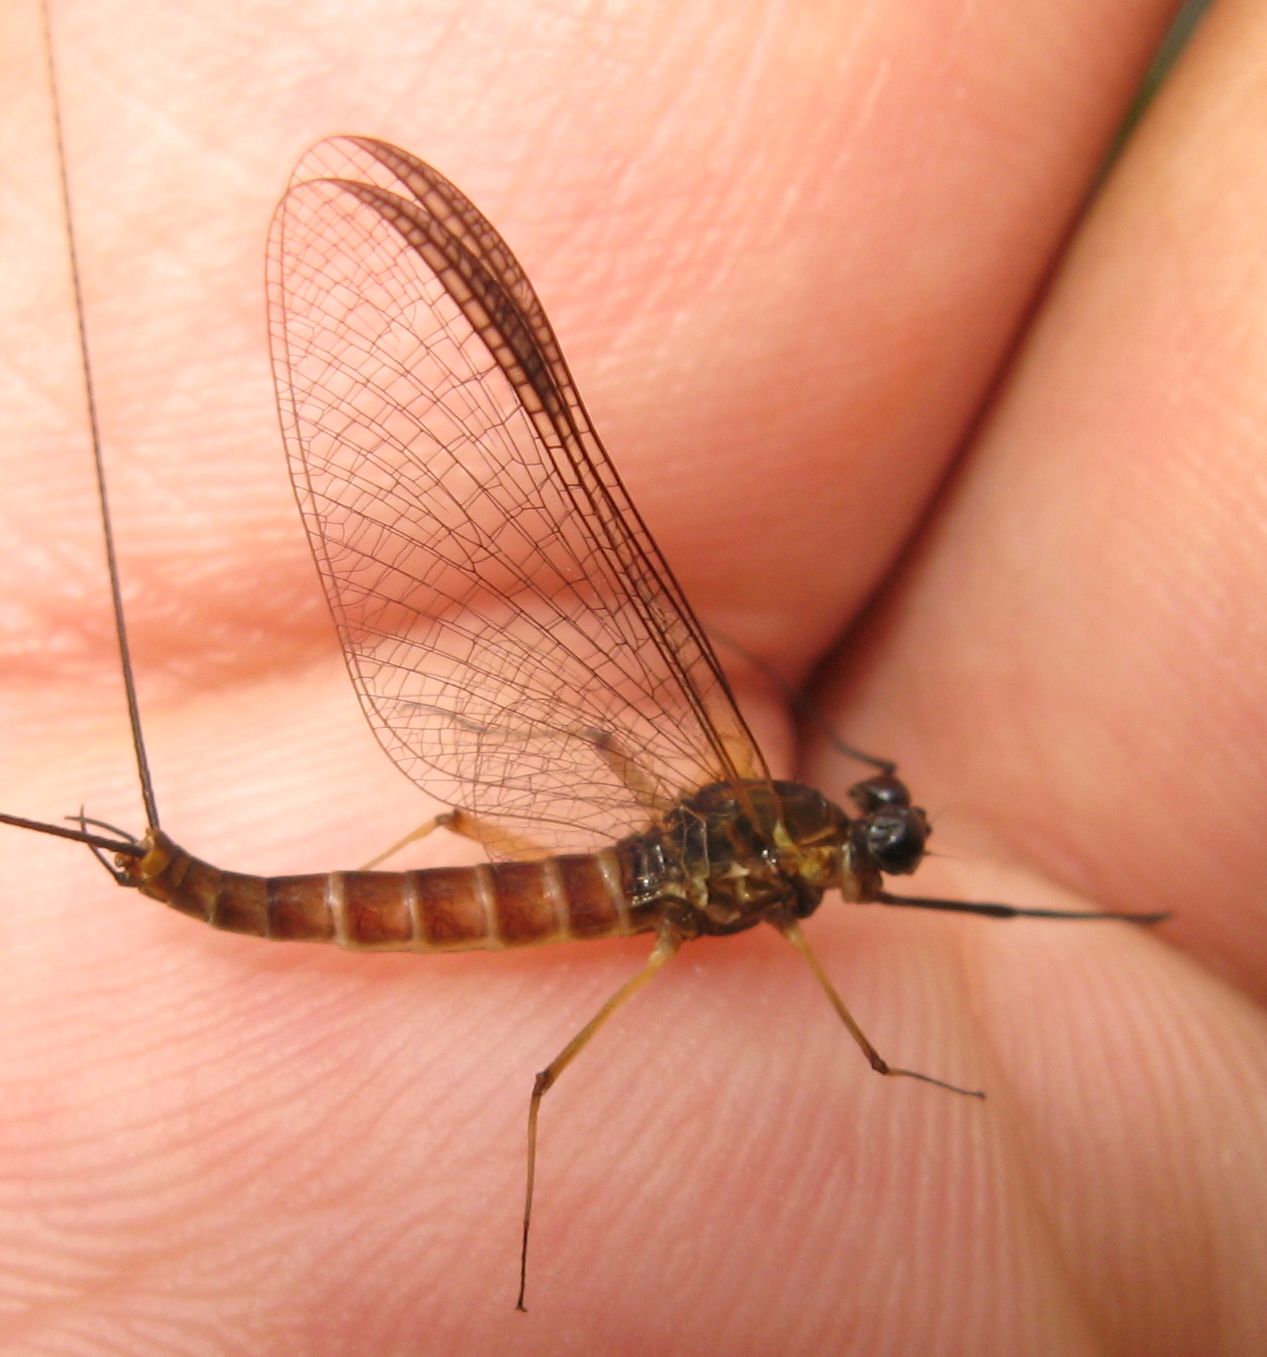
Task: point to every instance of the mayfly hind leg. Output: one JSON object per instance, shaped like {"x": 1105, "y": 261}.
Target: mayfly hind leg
{"x": 791, "y": 930}
{"x": 637, "y": 781}
{"x": 465, "y": 826}
{"x": 666, "y": 945}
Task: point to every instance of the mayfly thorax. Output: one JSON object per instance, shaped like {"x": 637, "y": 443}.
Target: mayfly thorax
{"x": 517, "y": 642}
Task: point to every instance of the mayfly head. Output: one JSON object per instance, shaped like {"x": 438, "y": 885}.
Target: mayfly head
{"x": 889, "y": 834}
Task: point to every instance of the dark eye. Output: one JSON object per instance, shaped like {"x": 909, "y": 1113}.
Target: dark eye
{"x": 893, "y": 839}
{"x": 874, "y": 793}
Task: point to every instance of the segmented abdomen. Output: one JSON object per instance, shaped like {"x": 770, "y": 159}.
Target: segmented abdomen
{"x": 492, "y": 905}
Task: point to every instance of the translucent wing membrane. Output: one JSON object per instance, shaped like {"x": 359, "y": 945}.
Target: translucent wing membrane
{"x": 517, "y": 642}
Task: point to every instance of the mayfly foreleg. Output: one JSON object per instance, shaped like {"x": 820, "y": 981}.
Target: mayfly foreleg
{"x": 667, "y": 943}
{"x": 800, "y": 702}
{"x": 791, "y": 930}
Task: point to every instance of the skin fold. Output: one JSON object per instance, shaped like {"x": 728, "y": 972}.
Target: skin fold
{"x": 970, "y": 451}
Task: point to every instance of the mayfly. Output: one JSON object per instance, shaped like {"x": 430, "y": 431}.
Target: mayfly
{"x": 518, "y": 643}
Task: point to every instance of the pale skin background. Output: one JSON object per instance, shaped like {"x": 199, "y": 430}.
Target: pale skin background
{"x": 796, "y": 258}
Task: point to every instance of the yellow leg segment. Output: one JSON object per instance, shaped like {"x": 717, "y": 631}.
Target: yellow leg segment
{"x": 792, "y": 932}
{"x": 638, "y": 781}
{"x": 466, "y": 826}
{"x": 665, "y": 947}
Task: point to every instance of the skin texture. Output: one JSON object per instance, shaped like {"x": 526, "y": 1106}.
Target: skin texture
{"x": 987, "y": 474}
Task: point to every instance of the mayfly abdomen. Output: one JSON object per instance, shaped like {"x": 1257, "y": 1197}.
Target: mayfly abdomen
{"x": 432, "y": 909}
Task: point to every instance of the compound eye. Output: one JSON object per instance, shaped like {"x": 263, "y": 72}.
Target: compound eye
{"x": 875, "y": 793}
{"x": 894, "y": 839}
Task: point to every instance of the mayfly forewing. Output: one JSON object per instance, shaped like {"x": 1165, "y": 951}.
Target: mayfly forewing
{"x": 517, "y": 642}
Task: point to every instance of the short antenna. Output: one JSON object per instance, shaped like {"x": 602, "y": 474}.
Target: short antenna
{"x": 90, "y": 402}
